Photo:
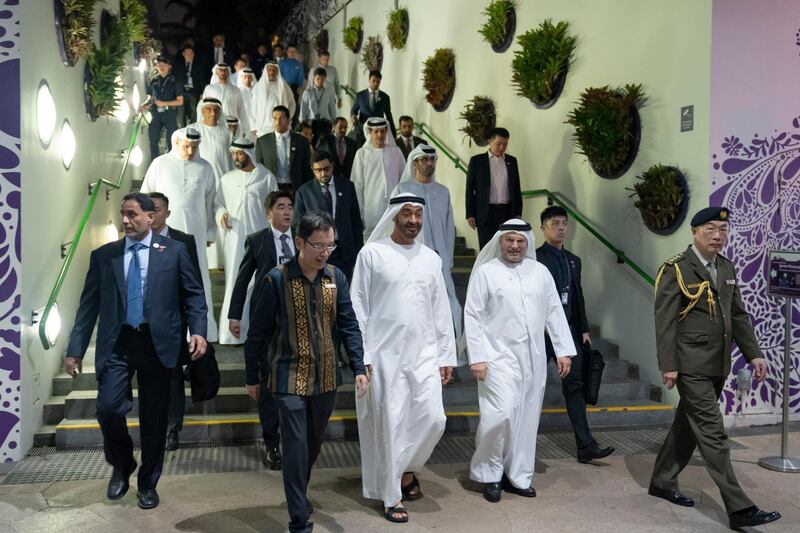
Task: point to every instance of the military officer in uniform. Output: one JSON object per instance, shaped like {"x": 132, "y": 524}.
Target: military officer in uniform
{"x": 698, "y": 313}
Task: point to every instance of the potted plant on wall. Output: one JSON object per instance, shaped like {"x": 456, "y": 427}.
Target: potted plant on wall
{"x": 397, "y": 28}
{"x": 353, "y": 34}
{"x": 439, "y": 78}
{"x": 372, "y": 54}
{"x": 75, "y": 23}
{"x": 540, "y": 65}
{"x": 321, "y": 41}
{"x": 501, "y": 22}
{"x": 480, "y": 117}
{"x": 662, "y": 198}
{"x": 607, "y": 128}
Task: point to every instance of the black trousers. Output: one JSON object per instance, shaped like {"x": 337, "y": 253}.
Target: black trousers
{"x": 498, "y": 213}
{"x": 134, "y": 352}
{"x": 168, "y": 120}
{"x": 303, "y": 423}
{"x": 187, "y": 113}
{"x": 269, "y": 416}
{"x": 177, "y": 400}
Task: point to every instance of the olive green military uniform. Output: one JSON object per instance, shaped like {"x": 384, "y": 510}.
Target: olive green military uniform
{"x": 696, "y": 319}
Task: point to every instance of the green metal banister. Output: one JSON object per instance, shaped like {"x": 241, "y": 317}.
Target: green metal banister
{"x": 73, "y": 247}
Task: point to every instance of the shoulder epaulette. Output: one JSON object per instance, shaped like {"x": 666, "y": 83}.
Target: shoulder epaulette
{"x": 675, "y": 258}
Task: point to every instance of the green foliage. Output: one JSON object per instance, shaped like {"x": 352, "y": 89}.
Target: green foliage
{"x": 603, "y": 122}
{"x": 397, "y": 28}
{"x": 134, "y": 14}
{"x": 544, "y": 56}
{"x": 350, "y": 34}
{"x": 480, "y": 116}
{"x": 372, "y": 54}
{"x": 660, "y": 195}
{"x": 77, "y": 24}
{"x": 494, "y": 29}
{"x": 438, "y": 75}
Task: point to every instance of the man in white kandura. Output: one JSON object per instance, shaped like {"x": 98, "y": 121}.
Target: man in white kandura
{"x": 270, "y": 92}
{"x": 511, "y": 300}
{"x": 400, "y": 300}
{"x": 419, "y": 179}
{"x": 240, "y": 195}
{"x": 229, "y": 94}
{"x": 188, "y": 181}
{"x": 246, "y": 81}
{"x": 377, "y": 167}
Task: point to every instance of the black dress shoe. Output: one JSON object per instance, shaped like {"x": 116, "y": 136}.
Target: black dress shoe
{"x": 118, "y": 485}
{"x": 272, "y": 460}
{"x": 492, "y": 492}
{"x": 148, "y": 498}
{"x": 672, "y": 496}
{"x": 530, "y": 492}
{"x": 596, "y": 452}
{"x": 751, "y": 517}
{"x": 172, "y": 441}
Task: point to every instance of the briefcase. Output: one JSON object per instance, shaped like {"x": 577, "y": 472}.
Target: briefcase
{"x": 203, "y": 376}
{"x": 593, "y": 366}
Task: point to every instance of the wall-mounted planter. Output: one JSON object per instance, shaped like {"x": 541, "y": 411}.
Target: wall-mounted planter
{"x": 541, "y": 64}
{"x": 91, "y": 111}
{"x": 397, "y": 26}
{"x": 321, "y": 41}
{"x": 500, "y": 25}
{"x": 480, "y": 116}
{"x": 662, "y": 198}
{"x": 511, "y": 27}
{"x": 353, "y": 34}
{"x": 439, "y": 78}
{"x": 74, "y": 26}
{"x": 372, "y": 54}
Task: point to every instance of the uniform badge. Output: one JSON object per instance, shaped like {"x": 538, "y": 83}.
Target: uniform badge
{"x": 730, "y": 282}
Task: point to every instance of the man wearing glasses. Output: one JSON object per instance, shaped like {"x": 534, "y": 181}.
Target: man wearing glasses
{"x": 299, "y": 355}
{"x": 337, "y": 197}
{"x": 698, "y": 313}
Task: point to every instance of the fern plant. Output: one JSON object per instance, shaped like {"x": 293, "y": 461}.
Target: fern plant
{"x": 351, "y": 34}
{"x": 438, "y": 77}
{"x": 661, "y": 197}
{"x": 494, "y": 30}
{"x": 77, "y": 23}
{"x": 541, "y": 63}
{"x": 397, "y": 28}
{"x": 480, "y": 117}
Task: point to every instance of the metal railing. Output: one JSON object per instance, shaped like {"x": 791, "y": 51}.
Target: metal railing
{"x": 94, "y": 188}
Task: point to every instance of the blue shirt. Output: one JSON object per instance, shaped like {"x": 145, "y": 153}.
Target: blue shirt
{"x": 144, "y": 257}
{"x": 292, "y": 72}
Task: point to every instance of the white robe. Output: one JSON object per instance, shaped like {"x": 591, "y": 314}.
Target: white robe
{"x": 232, "y": 102}
{"x": 266, "y": 96}
{"x": 505, "y": 316}
{"x": 376, "y": 172}
{"x": 240, "y": 194}
{"x": 400, "y": 301}
{"x": 440, "y": 234}
{"x": 190, "y": 187}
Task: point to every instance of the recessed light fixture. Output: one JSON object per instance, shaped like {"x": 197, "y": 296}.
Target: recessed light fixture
{"x": 45, "y": 113}
{"x": 137, "y": 156}
{"x": 68, "y": 144}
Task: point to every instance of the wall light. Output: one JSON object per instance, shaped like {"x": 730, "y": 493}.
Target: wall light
{"x": 142, "y": 66}
{"x": 123, "y": 111}
{"x": 51, "y": 328}
{"x": 111, "y": 232}
{"x": 68, "y": 144}
{"x": 137, "y": 156}
{"x": 136, "y": 98}
{"x": 45, "y": 113}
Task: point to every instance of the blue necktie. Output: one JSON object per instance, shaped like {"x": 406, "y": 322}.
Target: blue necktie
{"x": 135, "y": 309}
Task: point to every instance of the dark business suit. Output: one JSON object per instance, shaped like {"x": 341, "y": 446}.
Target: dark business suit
{"x": 260, "y": 256}
{"x": 415, "y": 141}
{"x": 174, "y": 295}
{"x": 343, "y": 168}
{"x": 349, "y": 228}
{"x": 299, "y": 157}
{"x": 489, "y": 217}
{"x": 197, "y": 69}
{"x": 177, "y": 398}
{"x": 698, "y": 347}
{"x": 362, "y": 108}
{"x": 566, "y": 270}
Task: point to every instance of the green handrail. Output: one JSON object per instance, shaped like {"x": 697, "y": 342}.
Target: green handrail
{"x": 425, "y": 130}
{"x": 73, "y": 247}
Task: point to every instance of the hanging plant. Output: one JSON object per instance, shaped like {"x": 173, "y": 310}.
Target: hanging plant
{"x": 353, "y": 34}
{"x": 662, "y": 198}
{"x": 607, "y": 128}
{"x": 321, "y": 41}
{"x": 540, "y": 65}
{"x": 134, "y": 14}
{"x": 75, "y": 23}
{"x": 372, "y": 54}
{"x": 481, "y": 117}
{"x": 439, "y": 78}
{"x": 397, "y": 28}
{"x": 501, "y": 22}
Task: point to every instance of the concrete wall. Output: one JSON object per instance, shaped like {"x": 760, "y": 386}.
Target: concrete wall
{"x": 53, "y": 198}
{"x": 664, "y": 45}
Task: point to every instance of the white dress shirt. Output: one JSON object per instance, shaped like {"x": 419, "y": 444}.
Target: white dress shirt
{"x": 498, "y": 186}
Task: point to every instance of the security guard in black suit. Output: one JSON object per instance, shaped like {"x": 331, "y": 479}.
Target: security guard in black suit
{"x": 698, "y": 313}
{"x": 165, "y": 96}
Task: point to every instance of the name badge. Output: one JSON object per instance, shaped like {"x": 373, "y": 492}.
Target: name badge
{"x": 329, "y": 285}
{"x": 730, "y": 282}
{"x": 564, "y": 298}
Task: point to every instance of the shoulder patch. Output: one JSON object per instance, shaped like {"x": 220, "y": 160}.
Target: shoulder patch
{"x": 674, "y": 259}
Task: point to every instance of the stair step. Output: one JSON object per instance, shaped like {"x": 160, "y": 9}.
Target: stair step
{"x": 463, "y": 250}
{"x": 342, "y": 424}
{"x": 464, "y": 261}
{"x": 45, "y": 436}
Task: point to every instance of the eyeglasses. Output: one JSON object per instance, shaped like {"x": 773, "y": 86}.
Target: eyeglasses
{"x": 319, "y": 247}
{"x": 712, "y": 230}
{"x": 321, "y": 169}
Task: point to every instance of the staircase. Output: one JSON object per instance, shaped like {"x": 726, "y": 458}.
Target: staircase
{"x": 69, "y": 415}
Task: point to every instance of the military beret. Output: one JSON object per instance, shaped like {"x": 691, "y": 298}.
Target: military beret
{"x": 163, "y": 59}
{"x": 710, "y": 213}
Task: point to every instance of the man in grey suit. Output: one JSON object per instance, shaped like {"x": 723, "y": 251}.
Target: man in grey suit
{"x": 337, "y": 197}
{"x": 285, "y": 153}
{"x": 141, "y": 288}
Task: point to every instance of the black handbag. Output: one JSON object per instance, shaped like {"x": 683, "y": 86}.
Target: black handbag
{"x": 593, "y": 366}
{"x": 203, "y": 376}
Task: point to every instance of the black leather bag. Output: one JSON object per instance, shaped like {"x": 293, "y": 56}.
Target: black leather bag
{"x": 203, "y": 376}
{"x": 593, "y": 366}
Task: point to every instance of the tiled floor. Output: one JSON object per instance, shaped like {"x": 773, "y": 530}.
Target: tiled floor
{"x": 608, "y": 496}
